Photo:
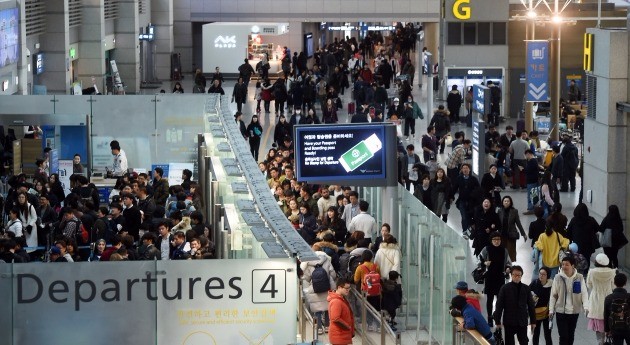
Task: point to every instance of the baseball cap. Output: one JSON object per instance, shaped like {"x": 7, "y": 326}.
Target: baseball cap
{"x": 55, "y": 250}
{"x": 461, "y": 285}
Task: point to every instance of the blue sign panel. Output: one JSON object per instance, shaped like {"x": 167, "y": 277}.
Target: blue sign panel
{"x": 537, "y": 68}
{"x": 481, "y": 99}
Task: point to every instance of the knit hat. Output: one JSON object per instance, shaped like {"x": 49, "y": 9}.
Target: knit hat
{"x": 602, "y": 259}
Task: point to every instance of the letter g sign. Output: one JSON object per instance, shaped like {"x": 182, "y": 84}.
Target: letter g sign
{"x": 461, "y": 11}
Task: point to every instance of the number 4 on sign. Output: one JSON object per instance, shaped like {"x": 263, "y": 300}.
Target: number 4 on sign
{"x": 269, "y": 286}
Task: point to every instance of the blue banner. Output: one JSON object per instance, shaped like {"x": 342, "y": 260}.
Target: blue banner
{"x": 481, "y": 99}
{"x": 537, "y": 70}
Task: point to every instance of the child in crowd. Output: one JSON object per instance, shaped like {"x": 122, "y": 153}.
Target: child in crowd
{"x": 392, "y": 297}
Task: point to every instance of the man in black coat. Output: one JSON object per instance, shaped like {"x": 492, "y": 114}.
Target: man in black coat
{"x": 466, "y": 185}
{"x": 515, "y": 305}
{"x": 133, "y": 217}
{"x": 619, "y": 293}
{"x": 571, "y": 161}
{"x": 239, "y": 95}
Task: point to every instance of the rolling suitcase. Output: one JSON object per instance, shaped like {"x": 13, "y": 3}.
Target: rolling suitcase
{"x": 351, "y": 108}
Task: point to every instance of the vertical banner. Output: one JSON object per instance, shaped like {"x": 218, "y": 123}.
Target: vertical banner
{"x": 65, "y": 170}
{"x": 481, "y": 99}
{"x": 537, "y": 68}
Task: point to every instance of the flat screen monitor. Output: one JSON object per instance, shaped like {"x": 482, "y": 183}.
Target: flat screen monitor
{"x": 9, "y": 36}
{"x": 346, "y": 154}
{"x": 308, "y": 45}
{"x": 39, "y": 63}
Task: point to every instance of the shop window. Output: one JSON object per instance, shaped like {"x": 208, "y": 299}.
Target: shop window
{"x": 499, "y": 33}
{"x": 483, "y": 33}
{"x": 454, "y": 34}
{"x": 470, "y": 33}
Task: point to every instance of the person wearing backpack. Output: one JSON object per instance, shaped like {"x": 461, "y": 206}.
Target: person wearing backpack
{"x": 600, "y": 284}
{"x": 367, "y": 277}
{"x": 617, "y": 312}
{"x": 319, "y": 278}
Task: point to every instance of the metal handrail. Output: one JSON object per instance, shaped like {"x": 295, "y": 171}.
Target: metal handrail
{"x": 385, "y": 330}
{"x": 466, "y": 336}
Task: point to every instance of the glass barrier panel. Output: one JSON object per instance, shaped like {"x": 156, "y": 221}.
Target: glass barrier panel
{"x": 131, "y": 121}
{"x": 27, "y": 105}
{"x": 6, "y": 307}
{"x": 69, "y": 104}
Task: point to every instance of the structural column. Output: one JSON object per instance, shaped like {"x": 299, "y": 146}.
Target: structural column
{"x": 91, "y": 46}
{"x": 55, "y": 43}
{"x": 127, "y": 53}
{"x": 555, "y": 80}
{"x": 529, "y": 106}
{"x": 162, "y": 18}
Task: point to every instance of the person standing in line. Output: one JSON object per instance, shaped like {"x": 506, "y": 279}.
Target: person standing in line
{"x": 364, "y": 222}
{"x": 613, "y": 222}
{"x": 254, "y": 131}
{"x": 497, "y": 261}
{"x": 317, "y": 301}
{"x": 619, "y": 292}
{"x": 568, "y": 299}
{"x": 341, "y": 330}
{"x": 515, "y": 306}
{"x": 541, "y": 289}
{"x": 600, "y": 283}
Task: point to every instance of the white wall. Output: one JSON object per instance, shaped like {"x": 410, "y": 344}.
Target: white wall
{"x": 228, "y": 58}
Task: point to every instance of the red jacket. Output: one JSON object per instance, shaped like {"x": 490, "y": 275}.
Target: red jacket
{"x": 341, "y": 327}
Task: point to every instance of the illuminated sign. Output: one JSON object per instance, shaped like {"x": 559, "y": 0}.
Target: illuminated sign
{"x": 73, "y": 53}
{"x": 475, "y": 72}
{"x": 588, "y": 52}
{"x": 225, "y": 42}
{"x": 343, "y": 28}
{"x": 461, "y": 11}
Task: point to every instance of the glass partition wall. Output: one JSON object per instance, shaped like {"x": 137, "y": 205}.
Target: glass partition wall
{"x": 433, "y": 261}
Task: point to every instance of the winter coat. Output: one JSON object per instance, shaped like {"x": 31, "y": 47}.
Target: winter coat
{"x": 388, "y": 258}
{"x": 485, "y": 223}
{"x": 600, "y": 284}
{"x": 441, "y": 123}
{"x": 474, "y": 299}
{"x": 341, "y": 329}
{"x": 515, "y": 304}
{"x": 330, "y": 249}
{"x": 499, "y": 261}
{"x": 584, "y": 233}
{"x": 160, "y": 192}
{"x": 562, "y": 288}
{"x": 392, "y": 295}
{"x": 618, "y": 238}
{"x": 317, "y": 301}
{"x": 542, "y": 292}
{"x": 454, "y": 100}
{"x": 513, "y": 223}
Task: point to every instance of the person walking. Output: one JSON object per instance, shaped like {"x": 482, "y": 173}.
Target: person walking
{"x": 313, "y": 280}
{"x": 515, "y": 309}
{"x": 510, "y": 225}
{"x": 619, "y": 293}
{"x": 613, "y": 222}
{"x": 254, "y": 131}
{"x": 341, "y": 330}
{"x": 582, "y": 230}
{"x": 568, "y": 299}
{"x": 485, "y": 221}
{"x": 497, "y": 262}
{"x": 541, "y": 290}
{"x": 239, "y": 95}
{"x": 549, "y": 244}
{"x": 600, "y": 283}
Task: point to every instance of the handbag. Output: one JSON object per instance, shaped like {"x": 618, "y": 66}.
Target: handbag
{"x": 542, "y": 313}
{"x": 498, "y": 337}
{"x": 562, "y": 251}
{"x": 606, "y": 238}
{"x": 609, "y": 340}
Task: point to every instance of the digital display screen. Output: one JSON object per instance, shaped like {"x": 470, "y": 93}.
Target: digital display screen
{"x": 39, "y": 63}
{"x": 329, "y": 153}
{"x": 9, "y": 36}
{"x": 308, "y": 45}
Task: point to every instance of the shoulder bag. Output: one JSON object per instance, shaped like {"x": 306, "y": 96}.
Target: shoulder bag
{"x": 606, "y": 238}
{"x": 561, "y": 251}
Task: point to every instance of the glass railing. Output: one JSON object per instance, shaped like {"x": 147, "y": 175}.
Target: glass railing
{"x": 433, "y": 260}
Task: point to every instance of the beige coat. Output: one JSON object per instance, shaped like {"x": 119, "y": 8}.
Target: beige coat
{"x": 600, "y": 284}
{"x": 317, "y": 301}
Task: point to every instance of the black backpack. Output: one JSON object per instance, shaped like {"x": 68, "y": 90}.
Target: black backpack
{"x": 319, "y": 279}
{"x": 619, "y": 319}
{"x": 348, "y": 265}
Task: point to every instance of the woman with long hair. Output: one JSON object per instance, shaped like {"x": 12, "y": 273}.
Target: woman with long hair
{"x": 510, "y": 226}
{"x": 254, "y": 131}
{"x": 613, "y": 222}
{"x": 582, "y": 230}
{"x": 293, "y": 213}
{"x": 441, "y": 194}
{"x": 28, "y": 217}
{"x": 549, "y": 192}
{"x": 56, "y": 188}
{"x": 485, "y": 221}
{"x": 497, "y": 261}
{"x": 541, "y": 290}
{"x": 492, "y": 184}
{"x": 196, "y": 196}
{"x": 332, "y": 221}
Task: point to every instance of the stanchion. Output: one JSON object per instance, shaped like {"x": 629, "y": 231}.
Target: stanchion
{"x": 363, "y": 319}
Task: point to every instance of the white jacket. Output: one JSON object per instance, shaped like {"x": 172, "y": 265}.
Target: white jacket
{"x": 317, "y": 301}
{"x": 600, "y": 284}
{"x": 562, "y": 299}
{"x": 388, "y": 259}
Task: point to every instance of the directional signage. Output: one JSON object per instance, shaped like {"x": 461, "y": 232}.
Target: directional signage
{"x": 481, "y": 99}
{"x": 537, "y": 67}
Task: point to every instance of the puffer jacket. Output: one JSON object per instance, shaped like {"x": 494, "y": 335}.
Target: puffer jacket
{"x": 600, "y": 284}
{"x": 317, "y": 301}
{"x": 341, "y": 327}
{"x": 388, "y": 259}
